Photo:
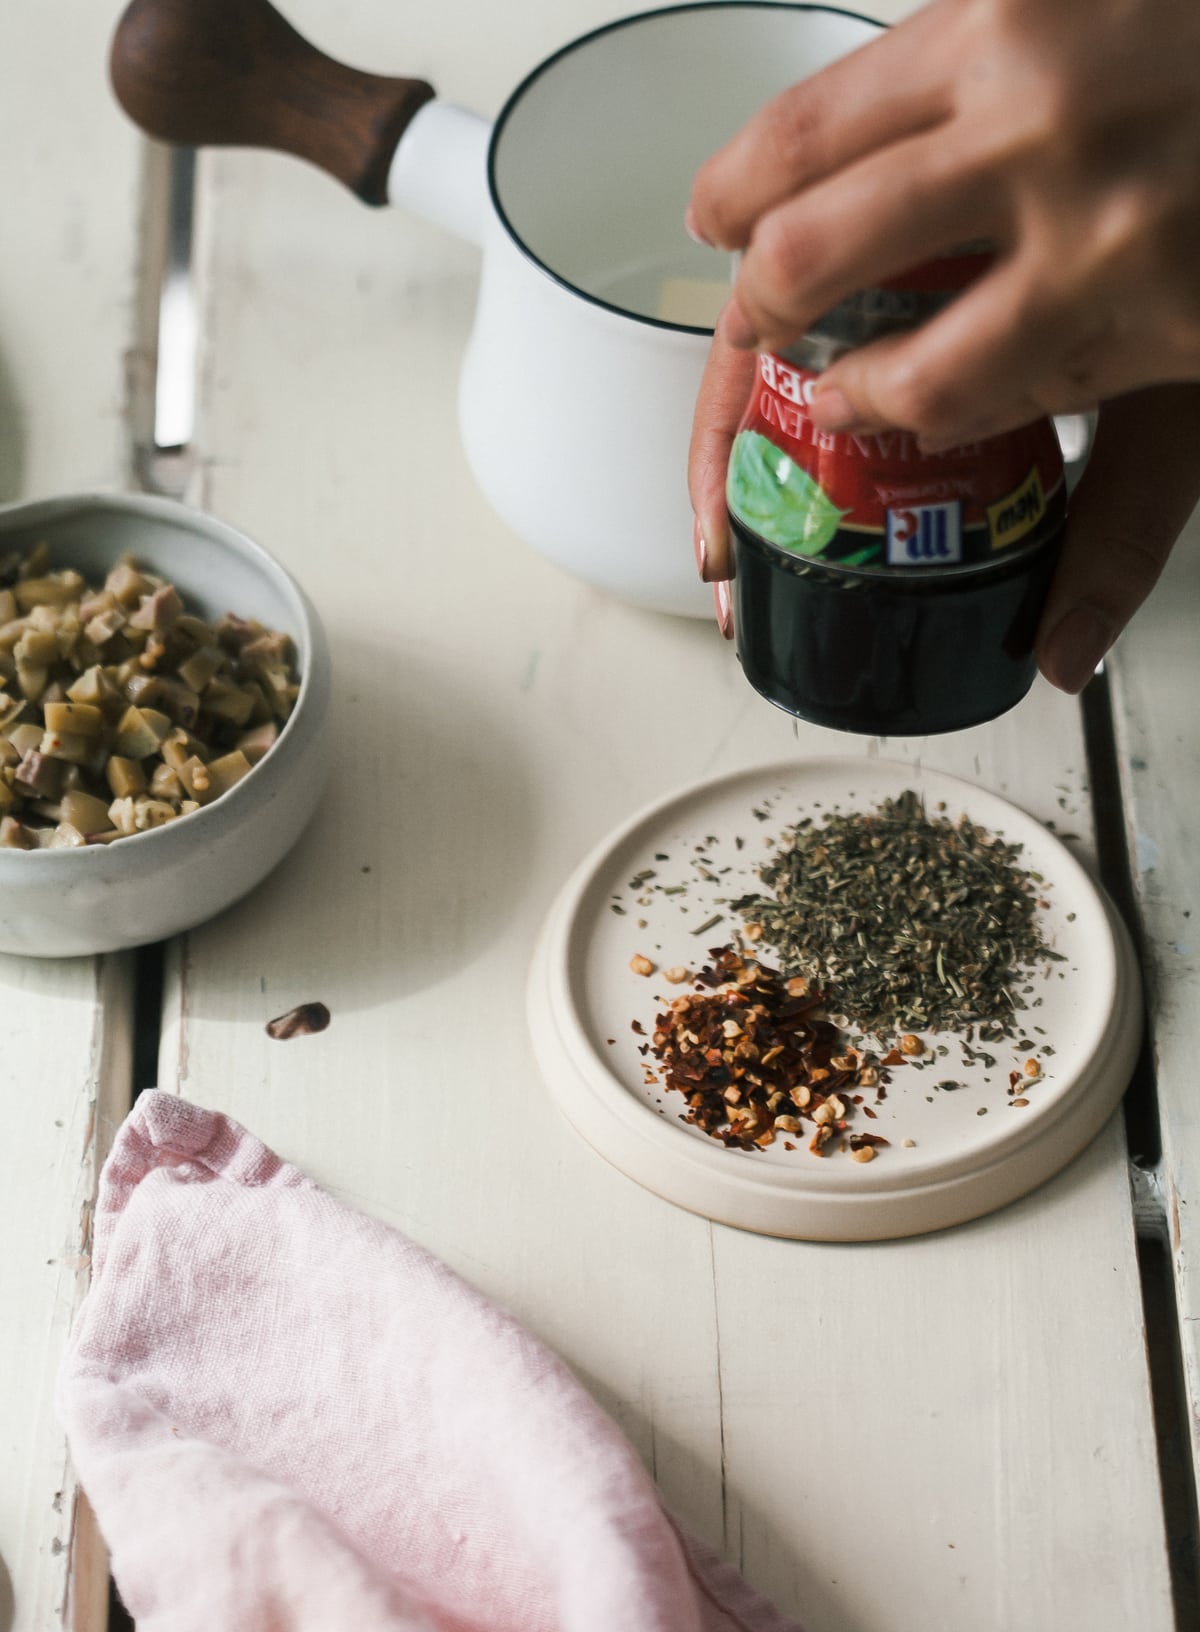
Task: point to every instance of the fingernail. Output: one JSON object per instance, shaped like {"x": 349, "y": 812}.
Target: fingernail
{"x": 735, "y": 330}
{"x": 724, "y": 608}
{"x": 710, "y": 540}
{"x": 693, "y": 231}
{"x": 831, "y": 411}
{"x": 1076, "y": 647}
{"x": 699, "y": 547}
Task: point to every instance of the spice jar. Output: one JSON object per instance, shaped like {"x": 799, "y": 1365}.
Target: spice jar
{"x": 879, "y": 589}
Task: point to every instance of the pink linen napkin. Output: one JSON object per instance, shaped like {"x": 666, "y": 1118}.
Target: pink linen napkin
{"x": 290, "y": 1418}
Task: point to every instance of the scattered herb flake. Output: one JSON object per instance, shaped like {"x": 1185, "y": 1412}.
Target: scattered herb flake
{"x": 709, "y": 923}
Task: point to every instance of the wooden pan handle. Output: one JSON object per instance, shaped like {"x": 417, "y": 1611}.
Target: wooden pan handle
{"x": 236, "y": 73}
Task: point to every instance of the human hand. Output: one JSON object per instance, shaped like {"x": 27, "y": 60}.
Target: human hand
{"x": 1140, "y": 485}
{"x": 1064, "y": 132}
{"x": 1068, "y": 135}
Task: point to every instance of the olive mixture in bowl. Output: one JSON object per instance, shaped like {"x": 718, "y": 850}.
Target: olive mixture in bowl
{"x": 120, "y": 709}
{"x": 165, "y": 692}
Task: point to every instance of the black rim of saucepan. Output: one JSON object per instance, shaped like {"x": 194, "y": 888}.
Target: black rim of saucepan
{"x": 567, "y": 50}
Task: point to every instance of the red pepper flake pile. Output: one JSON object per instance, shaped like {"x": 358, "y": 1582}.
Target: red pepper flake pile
{"x": 755, "y": 1057}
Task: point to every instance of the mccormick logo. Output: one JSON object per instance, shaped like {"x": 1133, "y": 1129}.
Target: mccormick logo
{"x": 924, "y": 535}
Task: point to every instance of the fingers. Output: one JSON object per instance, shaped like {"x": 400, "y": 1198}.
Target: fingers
{"x": 1141, "y": 484}
{"x": 892, "y": 87}
{"x": 724, "y": 392}
{"x": 882, "y": 216}
{"x": 1004, "y": 352}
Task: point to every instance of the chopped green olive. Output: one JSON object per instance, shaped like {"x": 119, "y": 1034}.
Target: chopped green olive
{"x": 56, "y": 589}
{"x": 228, "y": 701}
{"x": 85, "y": 812}
{"x": 82, "y": 719}
{"x": 227, "y": 772}
{"x": 135, "y": 739}
{"x": 37, "y": 648}
{"x": 255, "y": 743}
{"x": 96, "y": 688}
{"x": 25, "y": 738}
{"x": 199, "y": 669}
{"x": 125, "y": 776}
{"x": 65, "y": 745}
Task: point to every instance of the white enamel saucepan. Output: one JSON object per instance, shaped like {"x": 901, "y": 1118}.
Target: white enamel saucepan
{"x": 595, "y": 308}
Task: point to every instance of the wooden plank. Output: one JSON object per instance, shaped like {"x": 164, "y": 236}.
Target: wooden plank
{"x": 69, "y": 172}
{"x": 1158, "y": 734}
{"x": 880, "y": 1436}
{"x": 65, "y": 1083}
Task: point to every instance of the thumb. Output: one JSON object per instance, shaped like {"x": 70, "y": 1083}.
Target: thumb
{"x": 724, "y": 392}
{"x": 1140, "y": 485}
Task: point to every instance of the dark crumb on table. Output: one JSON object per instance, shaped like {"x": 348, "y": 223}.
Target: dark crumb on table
{"x": 301, "y": 1021}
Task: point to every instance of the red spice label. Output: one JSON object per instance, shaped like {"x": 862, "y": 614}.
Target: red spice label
{"x": 876, "y": 501}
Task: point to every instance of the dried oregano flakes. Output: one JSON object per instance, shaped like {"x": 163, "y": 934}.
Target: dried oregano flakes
{"x": 916, "y": 921}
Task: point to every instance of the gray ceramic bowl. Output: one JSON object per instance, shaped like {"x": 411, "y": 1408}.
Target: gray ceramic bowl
{"x": 58, "y": 903}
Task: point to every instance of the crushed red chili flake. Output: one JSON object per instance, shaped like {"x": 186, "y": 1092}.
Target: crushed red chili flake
{"x": 754, "y": 1054}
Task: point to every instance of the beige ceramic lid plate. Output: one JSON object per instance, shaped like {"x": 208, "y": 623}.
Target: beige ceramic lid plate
{"x": 583, "y": 999}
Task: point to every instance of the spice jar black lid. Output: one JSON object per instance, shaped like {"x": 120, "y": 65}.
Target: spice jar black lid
{"x": 888, "y": 654}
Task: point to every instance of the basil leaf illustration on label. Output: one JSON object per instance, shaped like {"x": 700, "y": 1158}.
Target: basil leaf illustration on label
{"x": 777, "y": 499}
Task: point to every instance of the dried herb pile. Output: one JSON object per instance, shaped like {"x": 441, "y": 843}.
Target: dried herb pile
{"x": 755, "y": 1057}
{"x": 915, "y": 921}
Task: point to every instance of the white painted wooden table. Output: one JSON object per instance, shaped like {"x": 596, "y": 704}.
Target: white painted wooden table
{"x": 985, "y": 1456}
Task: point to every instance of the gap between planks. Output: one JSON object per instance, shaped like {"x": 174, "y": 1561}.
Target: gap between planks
{"x": 1160, "y": 1306}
